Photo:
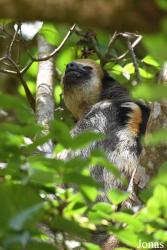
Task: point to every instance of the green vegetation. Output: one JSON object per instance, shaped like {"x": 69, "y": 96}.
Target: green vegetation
{"x": 36, "y": 212}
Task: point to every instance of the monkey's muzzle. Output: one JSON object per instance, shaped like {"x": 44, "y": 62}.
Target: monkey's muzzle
{"x": 75, "y": 74}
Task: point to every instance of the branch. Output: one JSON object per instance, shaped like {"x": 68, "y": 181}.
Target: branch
{"x": 19, "y": 73}
{"x": 110, "y": 15}
{"x": 52, "y": 54}
{"x": 89, "y": 40}
{"x": 29, "y": 96}
{"x": 133, "y": 56}
{"x": 44, "y": 92}
{"x": 158, "y": 153}
{"x": 107, "y": 55}
{"x": 134, "y": 44}
{"x": 12, "y": 42}
{"x": 7, "y": 71}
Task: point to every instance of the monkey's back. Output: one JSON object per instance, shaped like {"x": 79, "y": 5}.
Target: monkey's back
{"x": 120, "y": 145}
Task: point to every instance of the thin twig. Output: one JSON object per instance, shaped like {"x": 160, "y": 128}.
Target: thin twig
{"x": 29, "y": 96}
{"x": 133, "y": 56}
{"x": 19, "y": 73}
{"x": 52, "y": 54}
{"x": 27, "y": 66}
{"x": 59, "y": 47}
{"x": 6, "y": 71}
{"x": 12, "y": 42}
{"x": 2, "y": 59}
{"x": 6, "y": 32}
{"x": 109, "y": 47}
{"x": 96, "y": 48}
{"x": 134, "y": 44}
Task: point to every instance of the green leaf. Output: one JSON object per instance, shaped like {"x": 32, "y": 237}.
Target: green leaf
{"x": 90, "y": 192}
{"x": 117, "y": 69}
{"x": 8, "y": 102}
{"x": 160, "y": 199}
{"x": 70, "y": 226}
{"x": 116, "y": 196}
{"x": 28, "y": 130}
{"x": 16, "y": 239}
{"x": 40, "y": 246}
{"x": 161, "y": 178}
{"x": 85, "y": 138}
{"x": 43, "y": 176}
{"x": 150, "y": 92}
{"x": 151, "y": 61}
{"x": 16, "y": 198}
{"x": 156, "y": 205}
{"x": 91, "y": 246}
{"x": 17, "y": 223}
{"x": 101, "y": 211}
{"x": 145, "y": 73}
{"x": 79, "y": 179}
{"x": 76, "y": 164}
{"x": 130, "y": 220}
{"x": 161, "y": 235}
{"x": 38, "y": 141}
{"x": 61, "y": 133}
{"x": 128, "y": 237}
{"x": 129, "y": 68}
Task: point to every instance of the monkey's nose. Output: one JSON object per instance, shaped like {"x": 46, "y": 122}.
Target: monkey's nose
{"x": 72, "y": 66}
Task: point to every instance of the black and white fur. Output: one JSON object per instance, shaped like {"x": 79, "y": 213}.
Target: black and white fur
{"x": 101, "y": 104}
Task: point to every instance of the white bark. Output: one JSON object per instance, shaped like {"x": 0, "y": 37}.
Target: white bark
{"x": 44, "y": 91}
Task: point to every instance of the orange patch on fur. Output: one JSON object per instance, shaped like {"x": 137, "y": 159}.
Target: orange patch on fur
{"x": 135, "y": 121}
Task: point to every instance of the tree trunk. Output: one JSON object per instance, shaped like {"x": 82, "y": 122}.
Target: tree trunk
{"x": 44, "y": 91}
{"x": 153, "y": 156}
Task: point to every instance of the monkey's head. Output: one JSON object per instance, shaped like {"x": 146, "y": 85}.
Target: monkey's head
{"x": 82, "y": 85}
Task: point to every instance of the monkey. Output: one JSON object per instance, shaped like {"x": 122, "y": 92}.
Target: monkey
{"x": 100, "y": 104}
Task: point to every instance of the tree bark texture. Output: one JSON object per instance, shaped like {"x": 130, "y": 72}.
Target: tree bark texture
{"x": 121, "y": 15}
{"x": 44, "y": 91}
{"x": 153, "y": 156}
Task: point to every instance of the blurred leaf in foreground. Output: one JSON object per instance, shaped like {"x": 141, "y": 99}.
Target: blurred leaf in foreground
{"x": 150, "y": 92}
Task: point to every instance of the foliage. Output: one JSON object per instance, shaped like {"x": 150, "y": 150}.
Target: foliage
{"x": 36, "y": 211}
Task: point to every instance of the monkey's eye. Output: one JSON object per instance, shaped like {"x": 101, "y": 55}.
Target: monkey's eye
{"x": 87, "y": 67}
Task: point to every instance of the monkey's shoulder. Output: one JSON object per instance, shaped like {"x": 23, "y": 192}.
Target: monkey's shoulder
{"x": 133, "y": 115}
{"x": 108, "y": 116}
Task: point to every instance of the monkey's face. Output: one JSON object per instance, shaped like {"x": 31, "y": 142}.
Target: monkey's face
{"x": 76, "y": 73}
{"x": 82, "y": 83}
